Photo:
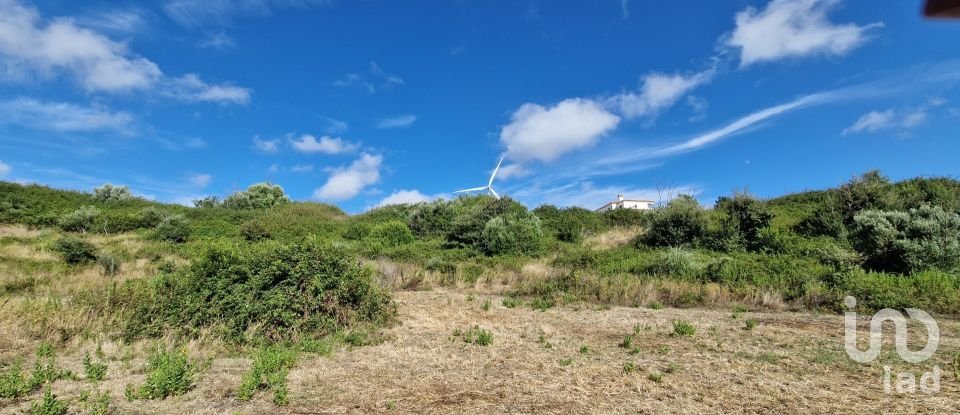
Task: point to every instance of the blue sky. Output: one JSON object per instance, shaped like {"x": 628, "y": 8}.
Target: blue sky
{"x": 360, "y": 103}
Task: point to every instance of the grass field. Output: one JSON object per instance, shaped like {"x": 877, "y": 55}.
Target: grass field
{"x": 467, "y": 348}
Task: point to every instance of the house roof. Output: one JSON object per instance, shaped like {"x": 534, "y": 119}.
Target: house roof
{"x": 624, "y": 200}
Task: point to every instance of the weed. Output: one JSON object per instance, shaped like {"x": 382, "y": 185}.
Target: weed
{"x": 96, "y": 403}
{"x": 683, "y": 328}
{"x": 391, "y": 405}
{"x": 627, "y": 342}
{"x": 584, "y": 350}
{"x": 740, "y": 309}
{"x": 542, "y": 303}
{"x": 546, "y": 344}
{"x": 663, "y": 349}
{"x": 92, "y": 370}
{"x": 511, "y": 302}
{"x": 49, "y": 405}
{"x": 486, "y": 305}
{"x": 470, "y": 297}
{"x": 476, "y": 335}
{"x": 109, "y": 264}
{"x": 566, "y": 362}
{"x": 169, "y": 373}
{"x": 673, "y": 368}
{"x": 629, "y": 368}
{"x": 655, "y": 306}
{"x": 750, "y": 324}
{"x": 269, "y": 371}
{"x": 657, "y": 377}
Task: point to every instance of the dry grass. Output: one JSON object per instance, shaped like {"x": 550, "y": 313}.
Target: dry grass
{"x": 613, "y": 238}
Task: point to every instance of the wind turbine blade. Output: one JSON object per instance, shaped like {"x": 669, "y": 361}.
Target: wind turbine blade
{"x": 494, "y": 193}
{"x": 490, "y": 183}
{"x": 475, "y": 189}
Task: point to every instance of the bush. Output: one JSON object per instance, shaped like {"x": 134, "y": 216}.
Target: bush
{"x": 207, "y": 202}
{"x": 432, "y": 219}
{"x": 392, "y": 233}
{"x": 675, "y": 262}
{"x": 356, "y": 231}
{"x": 257, "y": 196}
{"x": 681, "y": 222}
{"x": 569, "y": 224}
{"x": 254, "y": 231}
{"x": 923, "y": 238}
{"x": 517, "y": 233}
{"x": 871, "y": 190}
{"x": 151, "y": 216}
{"x": 626, "y": 217}
{"x": 172, "y": 228}
{"x": 93, "y": 370}
{"x": 472, "y": 216}
{"x": 269, "y": 371}
{"x": 744, "y": 218}
{"x": 267, "y": 291}
{"x": 110, "y": 193}
{"x": 169, "y": 373}
{"x": 80, "y": 220}
{"x": 683, "y": 328}
{"x": 75, "y": 250}
{"x": 49, "y": 405}
{"x": 109, "y": 264}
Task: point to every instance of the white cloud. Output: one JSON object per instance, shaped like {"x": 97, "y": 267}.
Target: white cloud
{"x": 326, "y": 144}
{"x": 376, "y": 79}
{"x": 191, "y": 88}
{"x": 335, "y": 126}
{"x": 302, "y": 168}
{"x": 624, "y": 9}
{"x": 401, "y": 121}
{"x": 513, "y": 171}
{"x": 64, "y": 117}
{"x": 346, "y": 182}
{"x": 200, "y": 180}
{"x": 119, "y": 21}
{"x": 401, "y": 197}
{"x": 219, "y": 41}
{"x": 793, "y": 28}
{"x": 875, "y": 121}
{"x": 266, "y": 146}
{"x": 539, "y": 133}
{"x": 658, "y": 92}
{"x": 4, "y": 169}
{"x": 31, "y": 47}
{"x": 195, "y": 13}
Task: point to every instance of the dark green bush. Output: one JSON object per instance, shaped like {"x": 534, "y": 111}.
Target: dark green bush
{"x": 254, "y": 231}
{"x": 172, "y": 228}
{"x": 151, "y": 216}
{"x": 515, "y": 233}
{"x": 743, "y": 219}
{"x": 392, "y": 234}
{"x": 682, "y": 222}
{"x": 472, "y": 216}
{"x": 75, "y": 250}
{"x": 207, "y": 202}
{"x": 923, "y": 238}
{"x": 432, "y": 219}
{"x": 356, "y": 231}
{"x": 272, "y": 291}
{"x": 169, "y": 373}
{"x": 626, "y": 217}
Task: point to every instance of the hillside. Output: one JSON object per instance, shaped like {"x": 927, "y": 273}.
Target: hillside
{"x": 256, "y": 302}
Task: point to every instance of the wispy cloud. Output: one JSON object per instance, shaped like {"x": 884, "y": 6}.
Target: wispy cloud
{"x": 64, "y": 117}
{"x": 307, "y": 143}
{"x": 196, "y": 13}
{"x": 302, "y": 168}
{"x": 401, "y": 197}
{"x": 271, "y": 146}
{"x": 793, "y": 29}
{"x": 218, "y": 41}
{"x": 347, "y": 182}
{"x": 401, "y": 121}
{"x": 891, "y": 119}
{"x": 200, "y": 180}
{"x": 118, "y": 21}
{"x": 4, "y": 169}
{"x": 375, "y": 80}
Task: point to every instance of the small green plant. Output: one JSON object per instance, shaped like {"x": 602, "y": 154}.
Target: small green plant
{"x": 739, "y": 309}
{"x": 49, "y": 404}
{"x": 109, "y": 264}
{"x": 584, "y": 350}
{"x": 478, "y": 336}
{"x": 93, "y": 370}
{"x": 627, "y": 342}
{"x": 657, "y": 377}
{"x": 683, "y": 328}
{"x": 470, "y": 297}
{"x": 511, "y": 302}
{"x": 629, "y": 368}
{"x": 543, "y": 341}
{"x": 673, "y": 368}
{"x": 391, "y": 405}
{"x": 750, "y": 324}
{"x": 566, "y": 362}
{"x": 14, "y": 384}
{"x": 486, "y": 305}
{"x": 542, "y": 303}
{"x": 269, "y": 371}
{"x": 169, "y": 373}
{"x": 656, "y": 305}
{"x": 74, "y": 250}
{"x": 663, "y": 349}
{"x": 96, "y": 403}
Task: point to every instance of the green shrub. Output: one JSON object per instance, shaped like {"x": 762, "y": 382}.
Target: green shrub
{"x": 80, "y": 220}
{"x": 626, "y": 217}
{"x": 356, "y": 231}
{"x": 14, "y": 384}
{"x": 674, "y": 262}
{"x": 392, "y": 233}
{"x": 277, "y": 292}
{"x": 74, "y": 250}
{"x": 478, "y": 336}
{"x": 923, "y": 238}
{"x": 151, "y": 216}
{"x": 517, "y": 233}
{"x": 110, "y": 193}
{"x": 472, "y": 215}
{"x": 172, "y": 228}
{"x": 682, "y": 222}
{"x": 96, "y": 403}
{"x": 440, "y": 265}
{"x": 269, "y": 371}
{"x": 569, "y": 224}
{"x": 109, "y": 264}
{"x": 257, "y": 196}
{"x": 49, "y": 405}
{"x": 744, "y": 218}
{"x": 683, "y": 328}
{"x": 432, "y": 219}
{"x": 254, "y": 231}
{"x": 207, "y": 202}
{"x": 93, "y": 370}
{"x": 169, "y": 373}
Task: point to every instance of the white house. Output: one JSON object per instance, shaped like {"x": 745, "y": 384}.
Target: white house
{"x": 622, "y": 203}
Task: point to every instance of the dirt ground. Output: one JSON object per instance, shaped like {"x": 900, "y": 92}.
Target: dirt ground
{"x": 563, "y": 360}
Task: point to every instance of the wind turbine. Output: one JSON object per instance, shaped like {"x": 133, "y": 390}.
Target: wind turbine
{"x": 489, "y": 186}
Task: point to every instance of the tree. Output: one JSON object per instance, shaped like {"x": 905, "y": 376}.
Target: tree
{"x": 744, "y": 219}
{"x": 111, "y": 193}
{"x": 257, "y": 196}
{"x": 682, "y": 222}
